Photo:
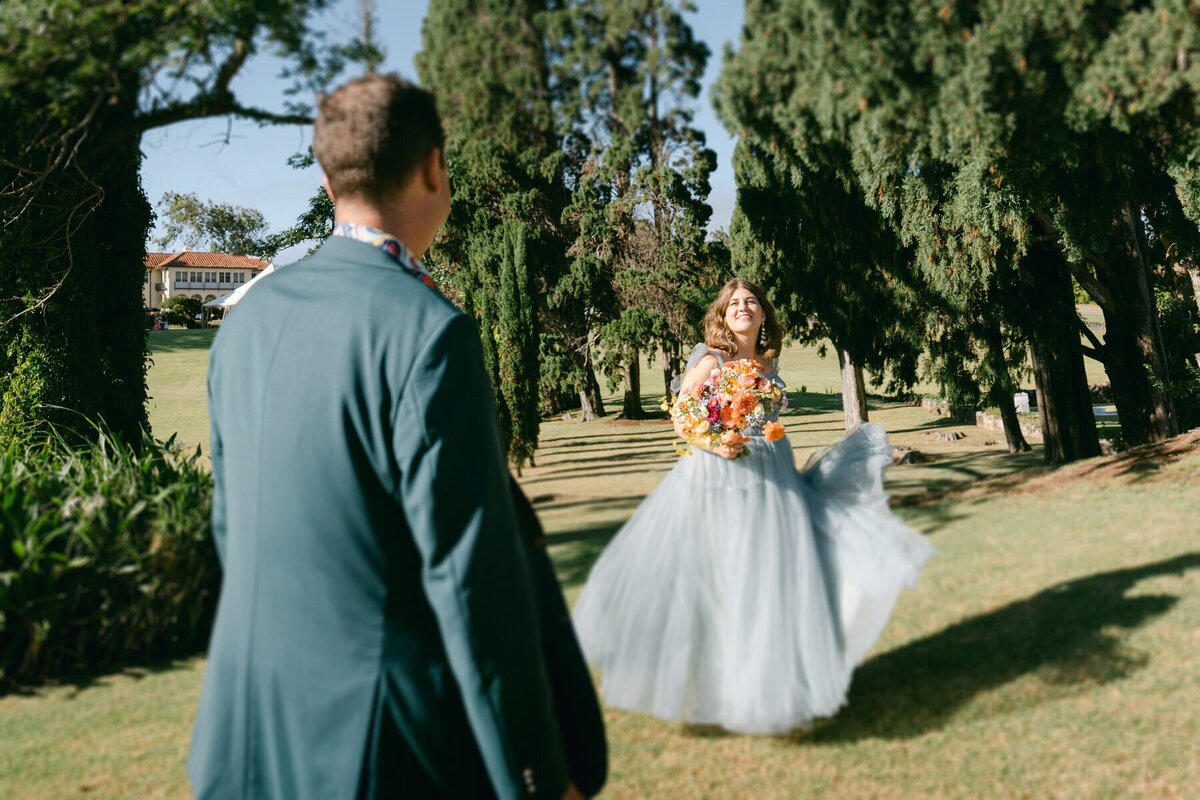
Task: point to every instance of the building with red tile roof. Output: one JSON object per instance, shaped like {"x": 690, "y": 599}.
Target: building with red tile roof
{"x": 204, "y": 276}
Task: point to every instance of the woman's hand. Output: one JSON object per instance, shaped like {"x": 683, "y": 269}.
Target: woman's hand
{"x": 729, "y": 450}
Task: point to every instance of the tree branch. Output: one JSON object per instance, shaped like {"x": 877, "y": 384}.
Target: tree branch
{"x": 217, "y": 101}
{"x": 210, "y": 106}
{"x": 1097, "y": 345}
{"x": 1092, "y": 286}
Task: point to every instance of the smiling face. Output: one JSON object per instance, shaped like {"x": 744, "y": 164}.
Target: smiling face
{"x": 744, "y": 314}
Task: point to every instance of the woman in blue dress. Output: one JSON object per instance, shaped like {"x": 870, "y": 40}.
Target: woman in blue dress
{"x": 743, "y": 593}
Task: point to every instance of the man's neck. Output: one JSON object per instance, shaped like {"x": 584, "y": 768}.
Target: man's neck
{"x": 393, "y": 222}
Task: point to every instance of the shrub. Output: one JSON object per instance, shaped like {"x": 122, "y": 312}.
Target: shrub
{"x": 106, "y": 554}
{"x": 180, "y": 310}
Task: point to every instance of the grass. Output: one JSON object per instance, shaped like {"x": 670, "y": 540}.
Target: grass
{"x": 1049, "y": 650}
{"x": 178, "y": 387}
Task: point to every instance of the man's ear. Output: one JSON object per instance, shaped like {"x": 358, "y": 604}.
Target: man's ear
{"x": 432, "y": 170}
{"x": 328, "y": 188}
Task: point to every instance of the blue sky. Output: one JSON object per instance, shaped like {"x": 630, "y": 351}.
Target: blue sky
{"x": 251, "y": 168}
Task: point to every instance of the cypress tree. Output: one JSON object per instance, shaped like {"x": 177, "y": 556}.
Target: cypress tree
{"x": 487, "y": 62}
{"x": 517, "y": 340}
{"x": 1011, "y": 152}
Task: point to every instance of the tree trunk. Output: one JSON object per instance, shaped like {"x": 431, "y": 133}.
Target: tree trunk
{"x": 589, "y": 407}
{"x": 670, "y": 354}
{"x": 590, "y": 402}
{"x": 1012, "y": 428}
{"x": 1150, "y": 338}
{"x": 632, "y": 406}
{"x": 1194, "y": 274}
{"x": 1064, "y": 403}
{"x": 80, "y": 357}
{"x": 1133, "y": 342}
{"x": 854, "y": 395}
{"x": 1003, "y": 389}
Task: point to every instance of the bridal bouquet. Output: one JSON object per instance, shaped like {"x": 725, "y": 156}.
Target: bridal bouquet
{"x": 733, "y": 399}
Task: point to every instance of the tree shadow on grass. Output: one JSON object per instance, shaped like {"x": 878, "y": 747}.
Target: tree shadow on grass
{"x": 81, "y": 681}
{"x": 812, "y": 403}
{"x": 1058, "y": 633}
{"x": 1141, "y": 463}
{"x": 180, "y": 341}
{"x": 580, "y": 549}
{"x": 614, "y": 436}
{"x": 945, "y": 473}
{"x": 931, "y": 518}
{"x": 645, "y": 449}
{"x": 649, "y": 464}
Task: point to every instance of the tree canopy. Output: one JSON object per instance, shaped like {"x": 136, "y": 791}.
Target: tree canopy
{"x": 1005, "y": 149}
{"x": 79, "y": 84}
{"x": 572, "y": 118}
{"x": 220, "y": 227}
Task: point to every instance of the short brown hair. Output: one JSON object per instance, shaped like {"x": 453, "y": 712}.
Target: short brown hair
{"x": 373, "y": 133}
{"x": 717, "y": 334}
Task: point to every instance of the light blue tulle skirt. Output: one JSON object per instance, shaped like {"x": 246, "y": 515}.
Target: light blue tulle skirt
{"x": 743, "y": 593}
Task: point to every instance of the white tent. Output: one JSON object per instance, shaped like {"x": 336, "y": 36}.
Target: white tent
{"x": 232, "y": 298}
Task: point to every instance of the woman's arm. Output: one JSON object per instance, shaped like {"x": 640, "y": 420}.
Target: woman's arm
{"x": 700, "y": 372}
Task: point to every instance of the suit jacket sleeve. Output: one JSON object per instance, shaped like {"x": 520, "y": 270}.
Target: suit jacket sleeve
{"x": 216, "y": 455}
{"x": 575, "y": 701}
{"x": 454, "y": 487}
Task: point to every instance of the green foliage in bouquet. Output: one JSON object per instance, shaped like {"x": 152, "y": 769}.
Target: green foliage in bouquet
{"x": 106, "y": 554}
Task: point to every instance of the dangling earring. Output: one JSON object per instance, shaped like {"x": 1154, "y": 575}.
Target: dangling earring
{"x": 762, "y": 336}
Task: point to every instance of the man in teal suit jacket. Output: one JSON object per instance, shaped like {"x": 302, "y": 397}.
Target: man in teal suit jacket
{"x": 378, "y": 633}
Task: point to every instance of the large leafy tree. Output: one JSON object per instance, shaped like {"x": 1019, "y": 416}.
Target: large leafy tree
{"x": 221, "y": 227}
{"x": 79, "y": 85}
{"x": 987, "y": 138}
{"x": 486, "y": 61}
{"x": 632, "y": 69}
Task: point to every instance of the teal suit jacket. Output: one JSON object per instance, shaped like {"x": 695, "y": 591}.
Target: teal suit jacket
{"x": 377, "y": 634}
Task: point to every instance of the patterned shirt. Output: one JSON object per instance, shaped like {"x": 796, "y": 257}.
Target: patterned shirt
{"x": 388, "y": 244}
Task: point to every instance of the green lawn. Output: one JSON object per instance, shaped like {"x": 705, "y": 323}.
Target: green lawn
{"x": 178, "y": 394}
{"x": 1049, "y": 650}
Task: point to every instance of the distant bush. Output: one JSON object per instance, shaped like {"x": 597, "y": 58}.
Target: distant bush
{"x": 180, "y": 310}
{"x": 106, "y": 555}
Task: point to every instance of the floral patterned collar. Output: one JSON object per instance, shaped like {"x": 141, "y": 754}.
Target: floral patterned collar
{"x": 388, "y": 244}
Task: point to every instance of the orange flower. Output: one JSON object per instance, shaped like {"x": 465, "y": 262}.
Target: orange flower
{"x": 730, "y": 418}
{"x": 745, "y": 402}
{"x": 773, "y": 431}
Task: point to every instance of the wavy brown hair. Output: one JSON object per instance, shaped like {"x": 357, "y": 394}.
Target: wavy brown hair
{"x": 717, "y": 334}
